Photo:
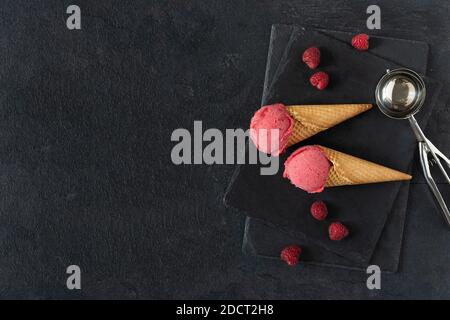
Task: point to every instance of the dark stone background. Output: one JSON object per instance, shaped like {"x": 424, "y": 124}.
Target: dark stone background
{"x": 85, "y": 170}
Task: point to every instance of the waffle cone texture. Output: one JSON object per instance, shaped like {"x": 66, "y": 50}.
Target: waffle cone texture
{"x": 350, "y": 170}
{"x": 312, "y": 119}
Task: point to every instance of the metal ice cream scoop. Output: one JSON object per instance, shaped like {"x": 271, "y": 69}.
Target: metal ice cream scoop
{"x": 400, "y": 94}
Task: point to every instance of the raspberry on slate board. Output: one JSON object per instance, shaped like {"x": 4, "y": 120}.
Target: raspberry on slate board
{"x": 337, "y": 231}
{"x": 319, "y": 210}
{"x": 320, "y": 80}
{"x": 291, "y": 254}
{"x": 311, "y": 57}
{"x": 361, "y": 42}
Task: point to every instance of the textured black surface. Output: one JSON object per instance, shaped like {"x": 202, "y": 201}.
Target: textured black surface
{"x": 263, "y": 240}
{"x": 86, "y": 119}
{"x": 370, "y": 136}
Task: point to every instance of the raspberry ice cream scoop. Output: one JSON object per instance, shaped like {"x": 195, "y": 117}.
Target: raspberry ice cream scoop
{"x": 271, "y": 128}
{"x": 308, "y": 168}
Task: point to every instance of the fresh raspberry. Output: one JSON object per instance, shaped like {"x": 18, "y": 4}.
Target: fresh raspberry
{"x": 361, "y": 42}
{"x": 337, "y": 231}
{"x": 319, "y": 210}
{"x": 320, "y": 80}
{"x": 291, "y": 254}
{"x": 311, "y": 57}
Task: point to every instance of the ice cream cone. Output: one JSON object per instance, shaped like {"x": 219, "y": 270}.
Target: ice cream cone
{"x": 349, "y": 170}
{"x": 312, "y": 119}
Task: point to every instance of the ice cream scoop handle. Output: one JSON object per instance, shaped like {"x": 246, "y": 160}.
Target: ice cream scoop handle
{"x": 425, "y": 148}
{"x": 420, "y": 136}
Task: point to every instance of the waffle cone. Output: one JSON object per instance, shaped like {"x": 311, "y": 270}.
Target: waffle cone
{"x": 349, "y": 170}
{"x": 312, "y": 119}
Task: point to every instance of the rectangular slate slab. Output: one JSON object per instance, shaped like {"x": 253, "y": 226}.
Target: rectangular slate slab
{"x": 265, "y": 241}
{"x": 363, "y": 208}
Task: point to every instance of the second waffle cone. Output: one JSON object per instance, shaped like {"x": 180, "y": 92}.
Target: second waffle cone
{"x": 350, "y": 170}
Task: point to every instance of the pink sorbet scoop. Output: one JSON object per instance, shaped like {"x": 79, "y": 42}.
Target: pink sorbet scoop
{"x": 262, "y": 126}
{"x": 308, "y": 169}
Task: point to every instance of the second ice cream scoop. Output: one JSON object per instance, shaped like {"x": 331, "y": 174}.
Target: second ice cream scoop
{"x": 308, "y": 169}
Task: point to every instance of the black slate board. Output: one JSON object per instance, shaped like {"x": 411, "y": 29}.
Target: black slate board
{"x": 363, "y": 208}
{"x": 265, "y": 241}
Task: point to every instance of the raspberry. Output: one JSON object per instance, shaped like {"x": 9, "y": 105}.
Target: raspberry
{"x": 311, "y": 57}
{"x": 291, "y": 254}
{"x": 319, "y": 210}
{"x": 361, "y": 42}
{"x": 337, "y": 231}
{"x": 320, "y": 80}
